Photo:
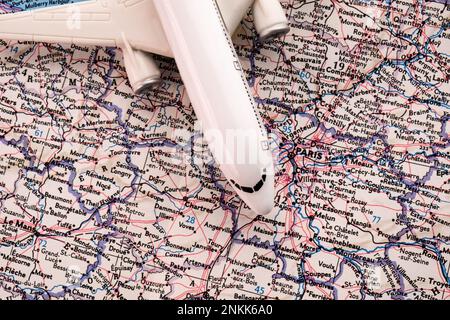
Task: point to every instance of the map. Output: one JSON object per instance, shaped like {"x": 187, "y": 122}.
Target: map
{"x": 108, "y": 195}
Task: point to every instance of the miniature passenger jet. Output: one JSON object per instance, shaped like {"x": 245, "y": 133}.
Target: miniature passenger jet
{"x": 197, "y": 34}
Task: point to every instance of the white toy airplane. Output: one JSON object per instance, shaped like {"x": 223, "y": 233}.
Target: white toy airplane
{"x": 197, "y": 34}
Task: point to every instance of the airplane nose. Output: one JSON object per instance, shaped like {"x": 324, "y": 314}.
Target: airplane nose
{"x": 260, "y": 196}
{"x": 262, "y": 202}
{"x": 263, "y": 205}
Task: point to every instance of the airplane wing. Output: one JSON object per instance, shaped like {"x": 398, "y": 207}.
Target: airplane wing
{"x": 100, "y": 22}
{"x": 233, "y": 12}
{"x": 116, "y": 23}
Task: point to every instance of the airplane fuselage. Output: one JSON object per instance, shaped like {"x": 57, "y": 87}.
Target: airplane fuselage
{"x": 197, "y": 34}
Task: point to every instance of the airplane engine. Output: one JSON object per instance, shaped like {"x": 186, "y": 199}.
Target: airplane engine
{"x": 270, "y": 19}
{"x": 143, "y": 73}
